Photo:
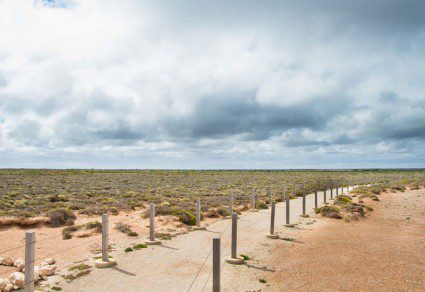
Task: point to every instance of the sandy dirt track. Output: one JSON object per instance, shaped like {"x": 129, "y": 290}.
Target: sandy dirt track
{"x": 385, "y": 252}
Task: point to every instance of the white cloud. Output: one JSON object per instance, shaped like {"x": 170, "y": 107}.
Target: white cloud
{"x": 190, "y": 83}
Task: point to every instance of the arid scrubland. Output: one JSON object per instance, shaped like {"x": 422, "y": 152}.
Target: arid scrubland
{"x": 57, "y": 197}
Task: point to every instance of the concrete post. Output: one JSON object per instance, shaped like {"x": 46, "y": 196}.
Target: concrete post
{"x": 315, "y": 199}
{"x": 234, "y": 259}
{"x": 331, "y": 184}
{"x": 152, "y": 240}
{"x": 272, "y": 235}
{"x": 105, "y": 261}
{"x": 105, "y": 238}
{"x": 336, "y": 187}
{"x": 284, "y": 192}
{"x": 324, "y": 193}
{"x": 152, "y": 222}
{"x": 198, "y": 216}
{"x": 216, "y": 264}
{"x": 304, "y": 202}
{"x": 252, "y": 200}
{"x": 29, "y": 261}
{"x": 198, "y": 212}
{"x": 231, "y": 204}
{"x": 287, "y": 213}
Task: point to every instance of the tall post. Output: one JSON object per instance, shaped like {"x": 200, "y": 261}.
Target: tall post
{"x": 324, "y": 193}
{"x": 234, "y": 235}
{"x": 303, "y": 187}
{"x": 331, "y": 187}
{"x": 152, "y": 222}
{"x": 216, "y": 264}
{"x": 152, "y": 240}
{"x": 336, "y": 186}
{"x": 315, "y": 199}
{"x": 234, "y": 259}
{"x": 284, "y": 192}
{"x": 105, "y": 238}
{"x": 272, "y": 217}
{"x": 252, "y": 200}
{"x": 231, "y": 204}
{"x": 198, "y": 212}
{"x": 29, "y": 261}
{"x": 105, "y": 261}
{"x": 287, "y": 213}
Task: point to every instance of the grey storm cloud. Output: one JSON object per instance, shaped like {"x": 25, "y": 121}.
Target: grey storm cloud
{"x": 212, "y": 84}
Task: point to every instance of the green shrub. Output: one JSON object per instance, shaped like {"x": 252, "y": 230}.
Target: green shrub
{"x": 139, "y": 246}
{"x": 187, "y": 218}
{"x": 260, "y": 205}
{"x": 128, "y": 249}
{"x": 329, "y": 212}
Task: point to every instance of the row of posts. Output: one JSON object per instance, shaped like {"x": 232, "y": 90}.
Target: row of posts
{"x": 30, "y": 235}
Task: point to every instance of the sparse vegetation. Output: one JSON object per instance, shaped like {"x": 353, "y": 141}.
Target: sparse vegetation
{"x": 329, "y": 212}
{"x": 79, "y": 267}
{"x": 125, "y": 228}
{"x": 245, "y": 257}
{"x": 139, "y": 246}
{"x": 61, "y": 216}
{"x": 128, "y": 249}
{"x": 56, "y": 197}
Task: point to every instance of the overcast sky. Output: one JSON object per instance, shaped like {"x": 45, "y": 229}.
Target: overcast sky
{"x": 212, "y": 84}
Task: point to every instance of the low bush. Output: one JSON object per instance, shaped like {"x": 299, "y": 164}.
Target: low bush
{"x": 60, "y": 217}
{"x": 187, "y": 218}
{"x": 125, "y": 228}
{"x": 329, "y": 212}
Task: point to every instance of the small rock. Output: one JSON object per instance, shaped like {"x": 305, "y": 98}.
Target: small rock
{"x": 5, "y": 285}
{"x": 19, "y": 263}
{"x": 44, "y": 271}
{"x": 47, "y": 262}
{"x": 7, "y": 262}
{"x": 17, "y": 279}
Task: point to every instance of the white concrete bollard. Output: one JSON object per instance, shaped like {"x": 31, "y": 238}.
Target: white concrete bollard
{"x": 152, "y": 240}
{"x": 105, "y": 261}
{"x": 253, "y": 201}
{"x": 198, "y": 216}
{"x": 272, "y": 217}
{"x": 287, "y": 205}
{"x": 216, "y": 264}
{"x": 234, "y": 259}
{"x": 29, "y": 261}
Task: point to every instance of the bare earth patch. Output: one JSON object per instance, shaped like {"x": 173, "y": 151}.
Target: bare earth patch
{"x": 383, "y": 252}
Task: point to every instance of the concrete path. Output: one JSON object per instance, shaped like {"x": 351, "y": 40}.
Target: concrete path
{"x": 185, "y": 262}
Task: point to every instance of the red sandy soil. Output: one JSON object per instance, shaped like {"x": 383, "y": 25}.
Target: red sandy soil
{"x": 384, "y": 252}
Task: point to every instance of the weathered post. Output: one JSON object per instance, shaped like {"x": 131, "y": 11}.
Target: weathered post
{"x": 152, "y": 240}
{"x": 272, "y": 217}
{"x": 287, "y": 213}
{"x": 284, "y": 192}
{"x": 304, "y": 202}
{"x": 336, "y": 186}
{"x": 331, "y": 187}
{"x": 198, "y": 216}
{"x": 253, "y": 201}
{"x": 105, "y": 261}
{"x": 234, "y": 259}
{"x": 324, "y": 193}
{"x": 315, "y": 199}
{"x": 216, "y": 264}
{"x": 29, "y": 261}
{"x": 105, "y": 237}
{"x": 231, "y": 204}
